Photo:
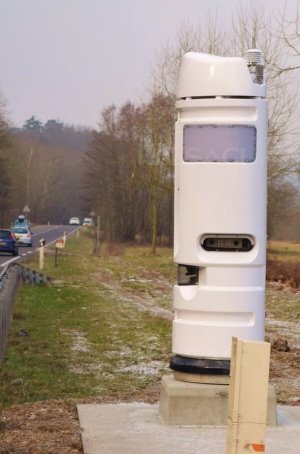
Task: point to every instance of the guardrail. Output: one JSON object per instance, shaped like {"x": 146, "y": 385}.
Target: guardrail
{"x": 11, "y": 278}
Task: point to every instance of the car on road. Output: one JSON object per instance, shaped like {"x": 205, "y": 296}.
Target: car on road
{"x": 74, "y": 221}
{"x": 23, "y": 236}
{"x": 21, "y": 221}
{"x": 88, "y": 221}
{"x": 8, "y": 242}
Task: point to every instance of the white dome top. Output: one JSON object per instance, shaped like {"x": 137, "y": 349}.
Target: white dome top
{"x": 203, "y": 75}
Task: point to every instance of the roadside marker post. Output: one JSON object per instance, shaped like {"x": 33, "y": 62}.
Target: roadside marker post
{"x": 42, "y": 253}
{"x": 59, "y": 244}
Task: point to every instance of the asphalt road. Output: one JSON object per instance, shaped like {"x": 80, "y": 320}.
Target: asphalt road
{"x": 50, "y": 233}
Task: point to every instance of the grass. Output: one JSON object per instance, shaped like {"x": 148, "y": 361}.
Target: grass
{"x": 79, "y": 337}
{"x": 86, "y": 336}
{"x": 283, "y": 263}
{"x": 283, "y": 306}
{"x": 283, "y": 250}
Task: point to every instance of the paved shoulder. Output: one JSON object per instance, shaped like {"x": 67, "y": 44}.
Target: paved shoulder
{"x": 136, "y": 428}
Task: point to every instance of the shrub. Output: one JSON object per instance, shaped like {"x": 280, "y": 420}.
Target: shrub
{"x": 286, "y": 272}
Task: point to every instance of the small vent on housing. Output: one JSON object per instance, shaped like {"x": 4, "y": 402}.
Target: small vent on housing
{"x": 254, "y": 60}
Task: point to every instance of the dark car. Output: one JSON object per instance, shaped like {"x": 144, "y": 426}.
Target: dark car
{"x": 8, "y": 242}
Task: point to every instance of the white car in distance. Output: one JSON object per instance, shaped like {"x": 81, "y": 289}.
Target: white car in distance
{"x": 74, "y": 221}
{"x": 88, "y": 222}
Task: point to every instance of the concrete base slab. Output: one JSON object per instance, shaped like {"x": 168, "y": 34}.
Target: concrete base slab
{"x": 184, "y": 404}
{"x": 137, "y": 428}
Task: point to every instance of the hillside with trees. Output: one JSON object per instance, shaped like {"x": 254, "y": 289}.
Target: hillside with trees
{"x": 41, "y": 168}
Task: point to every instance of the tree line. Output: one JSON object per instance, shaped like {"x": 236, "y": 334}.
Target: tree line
{"x": 128, "y": 177}
{"x": 128, "y": 174}
{"x": 123, "y": 170}
{"x": 41, "y": 168}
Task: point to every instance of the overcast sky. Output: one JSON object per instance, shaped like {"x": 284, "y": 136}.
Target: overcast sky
{"x": 67, "y": 59}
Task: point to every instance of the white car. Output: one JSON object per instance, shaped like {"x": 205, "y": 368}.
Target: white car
{"x": 23, "y": 236}
{"x": 74, "y": 221}
{"x": 88, "y": 221}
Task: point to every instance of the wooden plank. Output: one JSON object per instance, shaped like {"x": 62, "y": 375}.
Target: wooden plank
{"x": 248, "y": 395}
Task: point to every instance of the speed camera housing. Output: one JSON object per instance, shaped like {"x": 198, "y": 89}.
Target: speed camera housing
{"x": 220, "y": 209}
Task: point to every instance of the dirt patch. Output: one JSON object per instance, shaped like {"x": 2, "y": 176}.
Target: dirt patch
{"x": 79, "y": 342}
{"x": 52, "y": 427}
{"x": 285, "y": 375}
{"x": 40, "y": 428}
{"x": 285, "y": 359}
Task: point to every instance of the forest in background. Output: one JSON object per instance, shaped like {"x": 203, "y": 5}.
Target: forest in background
{"x": 123, "y": 170}
{"x": 43, "y": 166}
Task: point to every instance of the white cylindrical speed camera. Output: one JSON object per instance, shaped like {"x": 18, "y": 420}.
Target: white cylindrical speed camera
{"x": 220, "y": 209}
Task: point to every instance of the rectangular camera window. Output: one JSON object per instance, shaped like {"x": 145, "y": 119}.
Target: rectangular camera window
{"x": 219, "y": 143}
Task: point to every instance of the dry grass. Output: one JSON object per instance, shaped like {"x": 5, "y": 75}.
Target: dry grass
{"x": 283, "y": 264}
{"x": 284, "y": 272}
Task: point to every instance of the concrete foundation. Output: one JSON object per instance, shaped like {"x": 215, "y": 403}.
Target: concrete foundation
{"x": 136, "y": 428}
{"x": 191, "y": 404}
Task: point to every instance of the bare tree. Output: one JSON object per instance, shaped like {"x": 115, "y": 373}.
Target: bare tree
{"x": 251, "y": 27}
{"x": 289, "y": 33}
{"x": 114, "y": 182}
{"x": 207, "y": 37}
{"x": 128, "y": 170}
{"x": 5, "y": 181}
{"x": 160, "y": 126}
{"x": 129, "y": 166}
{"x": 283, "y": 210}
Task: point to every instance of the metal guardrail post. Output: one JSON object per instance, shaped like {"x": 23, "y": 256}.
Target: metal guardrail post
{"x": 10, "y": 280}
